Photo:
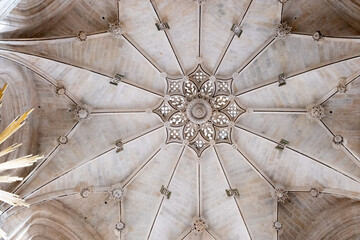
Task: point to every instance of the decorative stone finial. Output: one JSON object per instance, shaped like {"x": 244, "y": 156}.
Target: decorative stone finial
{"x": 315, "y": 112}
{"x": 82, "y": 114}
{"x": 116, "y": 194}
{"x": 81, "y": 36}
{"x": 85, "y": 192}
{"x": 341, "y": 87}
{"x": 314, "y": 192}
{"x": 237, "y": 30}
{"x": 120, "y": 226}
{"x": 277, "y": 225}
{"x": 200, "y": 109}
{"x": 199, "y": 225}
{"x": 116, "y": 29}
{"x": 338, "y": 139}
{"x": 119, "y": 145}
{"x": 282, "y": 31}
{"x": 317, "y": 36}
{"x": 280, "y": 194}
{"x": 62, "y": 139}
{"x": 60, "y": 90}
{"x": 174, "y": 135}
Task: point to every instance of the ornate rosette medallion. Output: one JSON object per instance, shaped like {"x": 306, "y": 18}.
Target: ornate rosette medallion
{"x": 199, "y": 110}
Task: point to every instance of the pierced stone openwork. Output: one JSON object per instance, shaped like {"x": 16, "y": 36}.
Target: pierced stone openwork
{"x": 200, "y": 110}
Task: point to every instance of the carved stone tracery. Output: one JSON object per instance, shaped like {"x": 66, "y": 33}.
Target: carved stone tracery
{"x": 199, "y": 109}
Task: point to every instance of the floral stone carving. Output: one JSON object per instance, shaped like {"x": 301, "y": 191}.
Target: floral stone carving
{"x": 199, "y": 109}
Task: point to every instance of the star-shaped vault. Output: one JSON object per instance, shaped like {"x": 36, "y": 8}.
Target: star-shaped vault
{"x": 184, "y": 120}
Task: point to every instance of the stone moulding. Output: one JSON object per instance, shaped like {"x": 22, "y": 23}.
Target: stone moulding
{"x": 199, "y": 109}
{"x": 315, "y": 112}
{"x": 282, "y": 31}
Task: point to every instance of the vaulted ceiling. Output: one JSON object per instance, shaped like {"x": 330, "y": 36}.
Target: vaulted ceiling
{"x": 71, "y": 191}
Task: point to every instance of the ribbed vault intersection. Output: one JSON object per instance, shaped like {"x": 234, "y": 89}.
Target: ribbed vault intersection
{"x": 202, "y": 125}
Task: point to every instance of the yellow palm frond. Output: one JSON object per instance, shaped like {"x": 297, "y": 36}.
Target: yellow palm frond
{"x": 9, "y": 179}
{"x": 12, "y": 199}
{"x": 14, "y": 126}
{"x": 9, "y": 149}
{"x": 2, "y": 90}
{"x": 25, "y": 161}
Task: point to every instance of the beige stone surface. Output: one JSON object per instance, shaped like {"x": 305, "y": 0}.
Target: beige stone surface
{"x": 345, "y": 108}
{"x": 39, "y": 50}
{"x": 328, "y": 16}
